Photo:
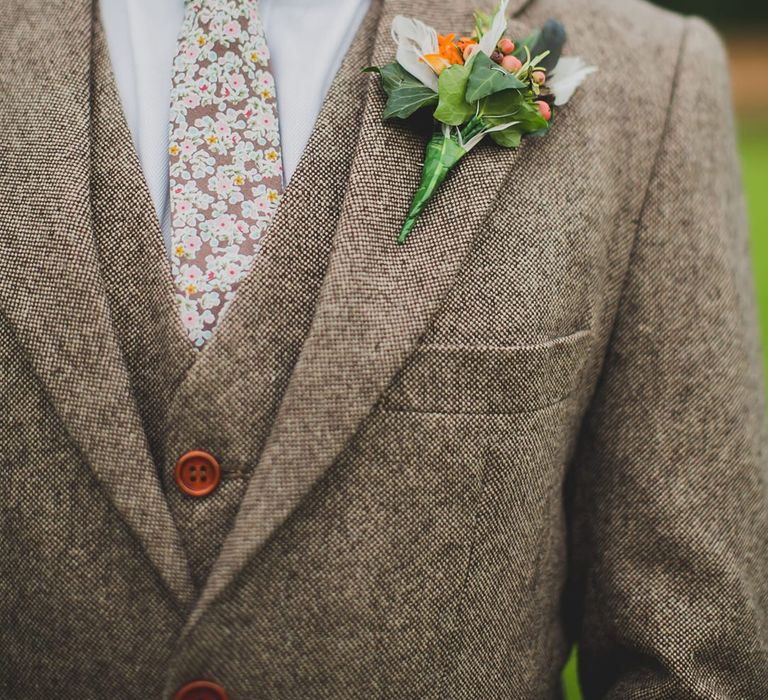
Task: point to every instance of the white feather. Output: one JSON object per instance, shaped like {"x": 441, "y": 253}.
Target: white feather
{"x": 566, "y": 76}
{"x": 488, "y": 41}
{"x": 414, "y": 40}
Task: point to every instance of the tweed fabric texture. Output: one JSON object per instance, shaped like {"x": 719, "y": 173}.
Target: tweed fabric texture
{"x": 129, "y": 244}
{"x": 53, "y": 295}
{"x": 222, "y": 399}
{"x": 682, "y": 533}
{"x": 66, "y": 552}
{"x": 541, "y": 420}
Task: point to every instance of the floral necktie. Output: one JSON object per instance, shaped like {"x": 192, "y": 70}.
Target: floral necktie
{"x": 225, "y": 164}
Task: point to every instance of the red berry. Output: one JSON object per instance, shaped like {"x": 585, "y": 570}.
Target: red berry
{"x": 545, "y": 109}
{"x": 539, "y": 77}
{"x": 511, "y": 64}
{"x": 506, "y": 46}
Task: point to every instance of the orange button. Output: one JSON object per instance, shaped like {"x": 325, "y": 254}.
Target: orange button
{"x": 197, "y": 473}
{"x": 201, "y": 690}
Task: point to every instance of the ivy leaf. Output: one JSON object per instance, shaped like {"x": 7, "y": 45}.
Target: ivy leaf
{"x": 406, "y": 93}
{"x": 407, "y": 99}
{"x": 487, "y": 78}
{"x": 509, "y": 138}
{"x": 512, "y": 106}
{"x": 392, "y": 75}
{"x": 452, "y": 108}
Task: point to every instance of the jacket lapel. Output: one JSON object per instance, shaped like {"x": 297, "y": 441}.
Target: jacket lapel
{"x": 376, "y": 301}
{"x": 51, "y": 289}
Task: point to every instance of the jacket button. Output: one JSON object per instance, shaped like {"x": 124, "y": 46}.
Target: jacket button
{"x": 201, "y": 690}
{"x": 197, "y": 474}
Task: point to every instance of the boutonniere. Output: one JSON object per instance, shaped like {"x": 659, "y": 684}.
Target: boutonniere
{"x": 482, "y": 84}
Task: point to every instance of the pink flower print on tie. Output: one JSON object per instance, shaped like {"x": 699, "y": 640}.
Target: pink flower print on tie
{"x": 225, "y": 164}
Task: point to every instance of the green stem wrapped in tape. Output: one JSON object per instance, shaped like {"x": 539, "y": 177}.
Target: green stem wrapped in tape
{"x": 441, "y": 156}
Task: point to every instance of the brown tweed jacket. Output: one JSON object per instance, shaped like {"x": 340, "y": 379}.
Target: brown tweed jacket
{"x": 539, "y": 422}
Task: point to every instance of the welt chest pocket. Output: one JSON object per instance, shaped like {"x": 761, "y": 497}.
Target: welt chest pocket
{"x": 489, "y": 379}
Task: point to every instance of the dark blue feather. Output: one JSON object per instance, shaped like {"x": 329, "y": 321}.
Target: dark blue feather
{"x": 552, "y": 38}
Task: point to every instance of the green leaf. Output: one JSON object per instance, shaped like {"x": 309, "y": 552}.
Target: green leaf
{"x": 530, "y": 119}
{"x": 406, "y": 100}
{"x": 393, "y": 75}
{"x": 509, "y": 138}
{"x": 452, "y": 108}
{"x": 482, "y": 22}
{"x": 406, "y": 93}
{"x": 487, "y": 78}
{"x": 501, "y": 107}
{"x": 512, "y": 106}
{"x": 440, "y": 158}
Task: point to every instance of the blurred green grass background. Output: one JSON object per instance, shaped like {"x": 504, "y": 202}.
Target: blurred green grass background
{"x": 754, "y": 152}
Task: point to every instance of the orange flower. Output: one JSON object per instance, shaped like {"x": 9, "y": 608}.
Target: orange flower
{"x": 465, "y": 41}
{"x": 436, "y": 62}
{"x": 448, "y": 49}
{"x": 448, "y": 54}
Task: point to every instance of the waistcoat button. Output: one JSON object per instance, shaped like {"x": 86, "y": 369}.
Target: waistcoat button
{"x": 197, "y": 474}
{"x": 201, "y": 690}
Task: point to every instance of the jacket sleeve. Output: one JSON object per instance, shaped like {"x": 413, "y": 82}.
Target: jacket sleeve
{"x": 667, "y": 498}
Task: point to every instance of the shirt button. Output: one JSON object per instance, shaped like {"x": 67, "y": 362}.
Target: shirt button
{"x": 197, "y": 474}
{"x": 201, "y": 690}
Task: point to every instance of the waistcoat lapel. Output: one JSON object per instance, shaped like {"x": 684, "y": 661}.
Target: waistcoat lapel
{"x": 51, "y": 289}
{"x": 375, "y": 302}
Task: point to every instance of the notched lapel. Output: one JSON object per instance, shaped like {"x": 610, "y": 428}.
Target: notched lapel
{"x": 51, "y": 289}
{"x": 376, "y": 301}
